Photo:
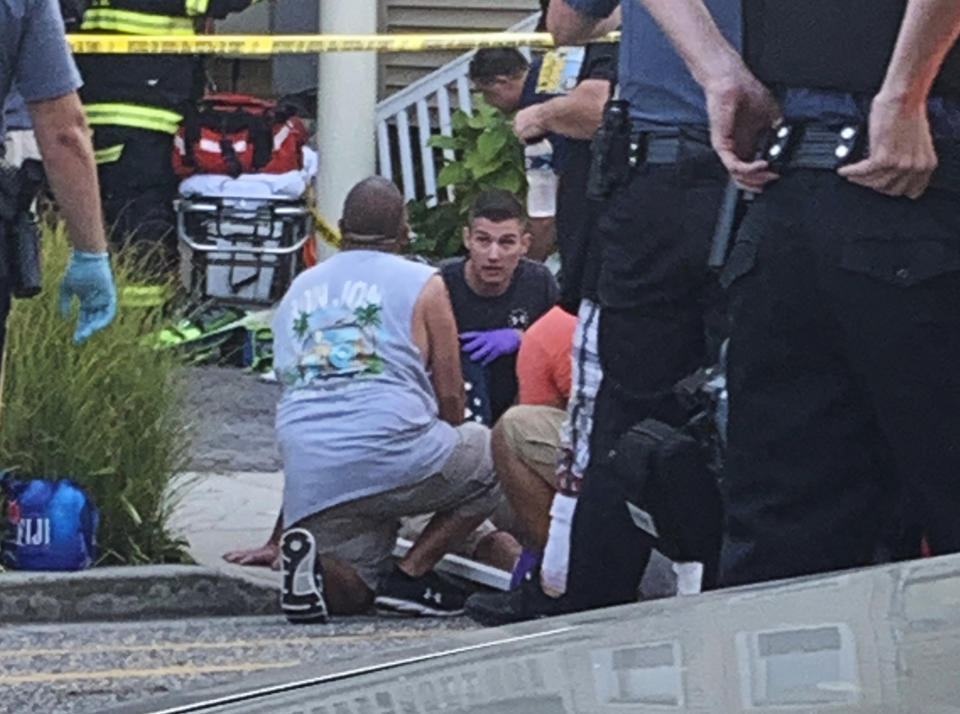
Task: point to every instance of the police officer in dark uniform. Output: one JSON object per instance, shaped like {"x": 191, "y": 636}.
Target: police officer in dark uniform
{"x": 844, "y": 278}
{"x": 657, "y": 297}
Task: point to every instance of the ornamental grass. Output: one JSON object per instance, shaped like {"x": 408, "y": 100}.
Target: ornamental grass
{"x": 108, "y": 413}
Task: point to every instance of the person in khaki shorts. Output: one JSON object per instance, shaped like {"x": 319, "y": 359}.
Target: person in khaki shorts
{"x": 362, "y": 533}
{"x": 526, "y": 440}
{"x": 370, "y": 424}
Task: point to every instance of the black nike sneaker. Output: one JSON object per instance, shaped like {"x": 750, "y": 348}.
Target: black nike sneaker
{"x": 302, "y": 596}
{"x": 429, "y": 595}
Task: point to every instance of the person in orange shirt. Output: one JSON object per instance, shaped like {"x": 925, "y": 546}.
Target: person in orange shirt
{"x": 543, "y": 361}
{"x": 526, "y": 439}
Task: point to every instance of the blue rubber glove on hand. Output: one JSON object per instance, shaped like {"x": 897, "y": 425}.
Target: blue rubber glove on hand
{"x": 90, "y": 279}
{"x": 486, "y": 346}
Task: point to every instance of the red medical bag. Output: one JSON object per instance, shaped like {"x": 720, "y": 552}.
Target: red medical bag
{"x": 234, "y": 134}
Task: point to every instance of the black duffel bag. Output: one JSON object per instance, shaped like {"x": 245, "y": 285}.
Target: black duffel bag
{"x": 669, "y": 476}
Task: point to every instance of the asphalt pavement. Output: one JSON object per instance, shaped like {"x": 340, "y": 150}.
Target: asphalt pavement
{"x": 87, "y": 668}
{"x": 232, "y": 420}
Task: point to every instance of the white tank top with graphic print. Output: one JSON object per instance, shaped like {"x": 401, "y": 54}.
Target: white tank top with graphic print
{"x": 358, "y": 415}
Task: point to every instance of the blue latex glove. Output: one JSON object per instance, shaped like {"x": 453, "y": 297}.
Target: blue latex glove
{"x": 90, "y": 279}
{"x": 488, "y": 345}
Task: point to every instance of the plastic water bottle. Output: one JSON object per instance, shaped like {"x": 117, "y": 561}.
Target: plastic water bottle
{"x": 541, "y": 180}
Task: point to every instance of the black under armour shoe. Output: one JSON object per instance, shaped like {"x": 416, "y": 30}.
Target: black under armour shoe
{"x": 526, "y": 602}
{"x": 302, "y": 596}
{"x": 429, "y": 595}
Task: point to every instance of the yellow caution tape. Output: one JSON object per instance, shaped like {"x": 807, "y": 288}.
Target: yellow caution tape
{"x": 305, "y": 44}
{"x": 324, "y": 229}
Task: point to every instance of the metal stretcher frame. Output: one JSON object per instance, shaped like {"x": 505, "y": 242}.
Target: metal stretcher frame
{"x": 247, "y": 234}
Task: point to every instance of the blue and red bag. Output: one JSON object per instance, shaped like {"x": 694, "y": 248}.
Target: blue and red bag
{"x": 51, "y": 525}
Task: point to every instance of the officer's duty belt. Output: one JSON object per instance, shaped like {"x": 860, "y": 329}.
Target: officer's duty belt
{"x": 823, "y": 148}
{"x": 662, "y": 148}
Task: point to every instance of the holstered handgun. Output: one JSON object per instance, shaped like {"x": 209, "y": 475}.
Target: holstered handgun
{"x": 610, "y": 151}
{"x": 21, "y": 240}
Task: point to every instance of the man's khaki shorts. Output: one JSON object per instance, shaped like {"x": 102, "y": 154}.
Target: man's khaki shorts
{"x": 532, "y": 433}
{"x": 363, "y": 533}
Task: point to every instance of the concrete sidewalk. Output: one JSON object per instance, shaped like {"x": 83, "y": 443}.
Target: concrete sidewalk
{"x": 217, "y": 513}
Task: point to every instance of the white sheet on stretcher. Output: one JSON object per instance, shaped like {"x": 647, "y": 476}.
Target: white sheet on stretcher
{"x": 289, "y": 185}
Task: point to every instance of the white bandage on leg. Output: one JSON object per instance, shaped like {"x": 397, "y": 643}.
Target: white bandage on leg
{"x": 556, "y": 555}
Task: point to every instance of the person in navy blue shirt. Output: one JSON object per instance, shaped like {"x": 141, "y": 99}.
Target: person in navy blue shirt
{"x": 508, "y": 81}
{"x": 558, "y": 97}
{"x": 844, "y": 277}
{"x": 660, "y": 317}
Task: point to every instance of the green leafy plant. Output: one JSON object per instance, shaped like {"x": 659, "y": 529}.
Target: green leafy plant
{"x": 108, "y": 413}
{"x": 487, "y": 154}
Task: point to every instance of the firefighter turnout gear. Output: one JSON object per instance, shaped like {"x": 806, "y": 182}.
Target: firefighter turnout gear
{"x": 134, "y": 105}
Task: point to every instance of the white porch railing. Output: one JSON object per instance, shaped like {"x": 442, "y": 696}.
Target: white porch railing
{"x": 443, "y": 90}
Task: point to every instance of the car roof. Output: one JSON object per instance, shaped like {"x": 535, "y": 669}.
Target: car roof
{"x": 881, "y": 639}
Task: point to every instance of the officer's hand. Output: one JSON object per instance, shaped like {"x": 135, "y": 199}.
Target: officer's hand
{"x": 527, "y": 124}
{"x": 742, "y": 111}
{"x": 902, "y": 158}
{"x": 90, "y": 279}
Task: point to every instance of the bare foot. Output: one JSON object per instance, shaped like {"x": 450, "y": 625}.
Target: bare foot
{"x": 268, "y": 554}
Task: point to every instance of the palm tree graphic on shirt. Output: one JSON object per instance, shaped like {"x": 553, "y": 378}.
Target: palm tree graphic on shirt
{"x": 301, "y": 326}
{"x": 345, "y": 346}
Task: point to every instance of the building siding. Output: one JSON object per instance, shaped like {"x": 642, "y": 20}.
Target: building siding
{"x": 278, "y": 75}
{"x": 399, "y": 69}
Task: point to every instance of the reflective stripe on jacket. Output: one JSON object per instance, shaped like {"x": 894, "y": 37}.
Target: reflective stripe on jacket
{"x": 147, "y": 92}
{"x": 129, "y": 22}
{"x": 133, "y": 115}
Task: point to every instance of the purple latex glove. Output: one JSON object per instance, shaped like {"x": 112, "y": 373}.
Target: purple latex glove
{"x": 486, "y": 346}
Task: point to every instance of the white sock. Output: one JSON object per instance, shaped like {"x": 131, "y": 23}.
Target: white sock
{"x": 689, "y": 577}
{"x": 556, "y": 555}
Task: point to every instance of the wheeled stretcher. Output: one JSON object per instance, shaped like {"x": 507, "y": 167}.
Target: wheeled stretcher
{"x": 241, "y": 238}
